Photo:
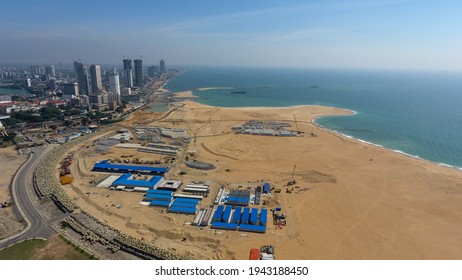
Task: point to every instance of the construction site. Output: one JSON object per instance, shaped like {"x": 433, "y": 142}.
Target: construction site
{"x": 189, "y": 184}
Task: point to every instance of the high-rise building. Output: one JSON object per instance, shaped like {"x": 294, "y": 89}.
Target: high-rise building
{"x": 128, "y": 77}
{"x": 127, "y": 64}
{"x": 162, "y": 65}
{"x": 139, "y": 79}
{"x": 95, "y": 74}
{"x": 128, "y": 72}
{"x": 36, "y": 70}
{"x": 50, "y": 70}
{"x": 114, "y": 85}
{"x": 82, "y": 78}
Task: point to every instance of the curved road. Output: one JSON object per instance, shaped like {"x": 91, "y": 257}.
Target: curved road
{"x": 37, "y": 226}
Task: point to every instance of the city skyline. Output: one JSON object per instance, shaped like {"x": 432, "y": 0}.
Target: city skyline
{"x": 390, "y": 34}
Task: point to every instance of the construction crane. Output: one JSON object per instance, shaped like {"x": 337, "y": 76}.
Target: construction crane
{"x": 292, "y": 180}
{"x": 296, "y": 124}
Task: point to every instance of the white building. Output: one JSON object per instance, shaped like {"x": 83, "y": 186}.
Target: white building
{"x": 114, "y": 85}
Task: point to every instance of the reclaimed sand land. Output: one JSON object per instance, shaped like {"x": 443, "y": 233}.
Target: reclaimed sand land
{"x": 351, "y": 200}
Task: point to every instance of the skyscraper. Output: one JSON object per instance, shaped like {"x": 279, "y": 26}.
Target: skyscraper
{"x": 50, "y": 70}
{"x": 128, "y": 72}
{"x": 139, "y": 79}
{"x": 82, "y": 78}
{"x": 95, "y": 74}
{"x": 114, "y": 85}
{"x": 36, "y": 70}
{"x": 127, "y": 64}
{"x": 162, "y": 65}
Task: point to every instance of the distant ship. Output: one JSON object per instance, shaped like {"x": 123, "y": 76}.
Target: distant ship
{"x": 238, "y": 92}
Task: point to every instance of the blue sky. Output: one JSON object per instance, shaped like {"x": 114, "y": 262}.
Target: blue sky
{"x": 391, "y": 34}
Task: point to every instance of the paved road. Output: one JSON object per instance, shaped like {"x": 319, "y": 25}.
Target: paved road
{"x": 37, "y": 226}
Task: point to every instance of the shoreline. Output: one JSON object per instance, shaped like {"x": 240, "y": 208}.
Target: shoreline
{"x": 353, "y": 112}
{"x": 350, "y": 197}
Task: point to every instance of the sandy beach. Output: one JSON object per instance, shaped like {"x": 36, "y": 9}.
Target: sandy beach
{"x": 351, "y": 201}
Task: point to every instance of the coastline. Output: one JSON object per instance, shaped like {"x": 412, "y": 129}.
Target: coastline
{"x": 189, "y": 94}
{"x": 351, "y": 201}
{"x": 365, "y": 142}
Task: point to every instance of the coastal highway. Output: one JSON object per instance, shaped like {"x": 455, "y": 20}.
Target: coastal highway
{"x": 37, "y": 226}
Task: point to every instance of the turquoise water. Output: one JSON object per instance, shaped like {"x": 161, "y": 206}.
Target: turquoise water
{"x": 5, "y": 91}
{"x": 418, "y": 113}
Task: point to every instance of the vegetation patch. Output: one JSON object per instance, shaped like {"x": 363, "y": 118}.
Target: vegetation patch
{"x": 56, "y": 248}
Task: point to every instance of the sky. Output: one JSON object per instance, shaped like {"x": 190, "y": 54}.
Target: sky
{"x": 381, "y": 34}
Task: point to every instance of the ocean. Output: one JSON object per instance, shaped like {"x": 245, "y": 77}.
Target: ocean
{"x": 417, "y": 113}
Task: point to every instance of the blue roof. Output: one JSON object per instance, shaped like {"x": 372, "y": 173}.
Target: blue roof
{"x": 218, "y": 213}
{"x": 126, "y": 180}
{"x": 187, "y": 200}
{"x": 129, "y": 168}
{"x": 254, "y": 216}
{"x": 160, "y": 192}
{"x": 237, "y": 215}
{"x": 263, "y": 216}
{"x": 252, "y": 228}
{"x": 245, "y": 216}
{"x": 266, "y": 188}
{"x": 183, "y": 205}
{"x": 160, "y": 203}
{"x": 220, "y": 225}
{"x": 227, "y": 214}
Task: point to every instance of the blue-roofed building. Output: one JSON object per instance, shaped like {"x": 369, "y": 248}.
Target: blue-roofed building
{"x": 254, "y": 216}
{"x": 245, "y": 216}
{"x": 105, "y": 166}
{"x": 130, "y": 183}
{"x": 266, "y": 188}
{"x": 263, "y": 216}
